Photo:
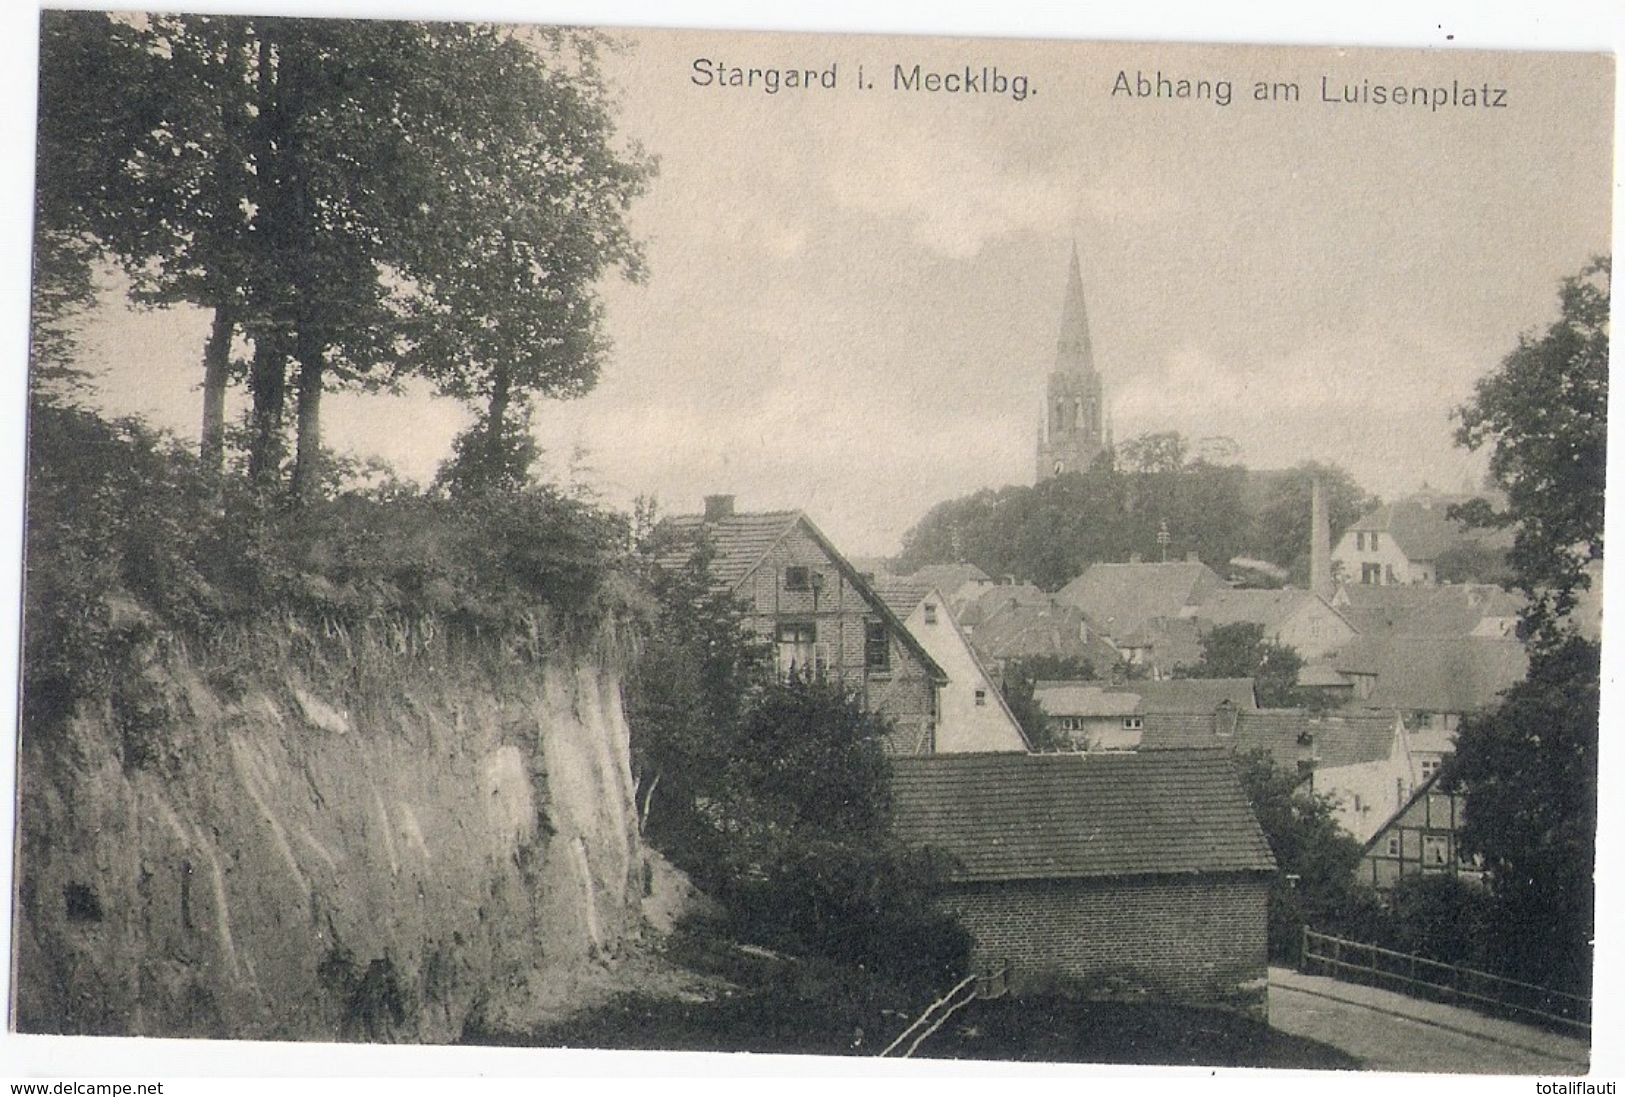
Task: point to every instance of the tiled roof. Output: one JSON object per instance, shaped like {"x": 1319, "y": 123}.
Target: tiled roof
{"x": 1127, "y": 698}
{"x": 997, "y": 599}
{"x": 1173, "y": 642}
{"x": 1028, "y": 631}
{"x": 1421, "y": 527}
{"x": 1287, "y": 735}
{"x": 1188, "y": 694}
{"x": 738, "y": 541}
{"x": 1459, "y": 674}
{"x": 1084, "y": 699}
{"x": 1451, "y": 609}
{"x": 1121, "y": 597}
{"x": 1068, "y": 816}
{"x": 949, "y": 577}
{"x": 1270, "y": 608}
{"x": 900, "y": 595}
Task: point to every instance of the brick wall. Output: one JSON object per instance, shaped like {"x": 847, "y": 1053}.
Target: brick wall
{"x": 1196, "y": 939}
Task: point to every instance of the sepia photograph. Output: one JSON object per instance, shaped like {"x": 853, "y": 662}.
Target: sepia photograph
{"x": 1006, "y": 550}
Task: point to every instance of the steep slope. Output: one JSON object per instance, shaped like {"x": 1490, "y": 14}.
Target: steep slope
{"x": 366, "y": 845}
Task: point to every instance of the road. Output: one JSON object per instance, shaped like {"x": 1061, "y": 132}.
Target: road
{"x": 1391, "y": 1031}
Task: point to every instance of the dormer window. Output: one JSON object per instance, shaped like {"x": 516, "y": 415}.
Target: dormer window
{"x": 797, "y": 578}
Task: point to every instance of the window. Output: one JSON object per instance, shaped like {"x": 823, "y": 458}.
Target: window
{"x": 1359, "y": 540}
{"x": 797, "y": 578}
{"x": 981, "y": 697}
{"x": 1430, "y": 766}
{"x": 1435, "y": 849}
{"x": 1373, "y": 535}
{"x": 795, "y": 642}
{"x": 876, "y": 646}
{"x": 1133, "y": 723}
{"x": 1393, "y": 845}
{"x": 1371, "y": 574}
{"x": 930, "y": 614}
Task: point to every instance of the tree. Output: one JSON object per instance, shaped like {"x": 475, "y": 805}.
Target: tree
{"x": 506, "y": 303}
{"x": 341, "y": 192}
{"x": 1316, "y": 884}
{"x": 1281, "y": 530}
{"x": 1020, "y": 681}
{"x": 1529, "y": 773}
{"x": 686, "y": 696}
{"x": 82, "y": 63}
{"x": 1240, "y": 651}
{"x": 1050, "y": 532}
{"x": 1544, "y": 415}
{"x": 1528, "y": 767}
{"x": 1159, "y": 452}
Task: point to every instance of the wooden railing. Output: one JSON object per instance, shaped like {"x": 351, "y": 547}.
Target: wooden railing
{"x": 993, "y": 982}
{"x": 1357, "y": 962}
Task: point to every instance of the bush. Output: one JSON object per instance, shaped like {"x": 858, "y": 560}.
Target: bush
{"x": 1443, "y": 918}
{"x": 129, "y": 538}
{"x": 867, "y": 905}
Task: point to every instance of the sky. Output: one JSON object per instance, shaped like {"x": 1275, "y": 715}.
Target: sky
{"x": 854, "y": 295}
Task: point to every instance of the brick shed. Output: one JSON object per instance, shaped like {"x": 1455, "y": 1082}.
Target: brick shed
{"x": 1117, "y": 873}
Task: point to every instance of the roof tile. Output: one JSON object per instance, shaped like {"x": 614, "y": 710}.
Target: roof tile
{"x": 1062, "y": 816}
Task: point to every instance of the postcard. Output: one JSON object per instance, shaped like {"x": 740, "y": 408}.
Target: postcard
{"x": 972, "y": 549}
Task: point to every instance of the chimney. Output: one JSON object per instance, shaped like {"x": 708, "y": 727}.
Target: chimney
{"x": 718, "y": 507}
{"x": 1320, "y": 543}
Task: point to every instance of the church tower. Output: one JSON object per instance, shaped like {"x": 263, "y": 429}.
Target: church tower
{"x": 1070, "y": 435}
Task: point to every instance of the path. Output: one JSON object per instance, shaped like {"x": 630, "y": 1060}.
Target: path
{"x": 1391, "y": 1031}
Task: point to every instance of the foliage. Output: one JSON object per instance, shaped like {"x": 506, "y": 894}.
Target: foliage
{"x": 348, "y": 195}
{"x": 1316, "y": 884}
{"x": 774, "y": 793}
{"x": 1021, "y": 677}
{"x": 1445, "y": 918}
{"x": 1544, "y": 413}
{"x": 128, "y": 535}
{"x": 1239, "y": 650}
{"x": 1281, "y": 530}
{"x": 1528, "y": 767}
{"x": 1048, "y": 533}
{"x": 1529, "y": 771}
{"x": 1473, "y": 560}
{"x": 493, "y": 455}
{"x": 1152, "y": 453}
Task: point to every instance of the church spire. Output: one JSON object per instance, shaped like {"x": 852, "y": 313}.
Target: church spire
{"x": 1073, "y": 352}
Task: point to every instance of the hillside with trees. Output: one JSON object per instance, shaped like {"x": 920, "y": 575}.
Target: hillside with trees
{"x": 1049, "y": 533}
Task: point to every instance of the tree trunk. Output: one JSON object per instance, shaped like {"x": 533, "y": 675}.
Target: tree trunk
{"x": 495, "y": 422}
{"x": 216, "y": 368}
{"x": 268, "y": 383}
{"x": 307, "y": 468}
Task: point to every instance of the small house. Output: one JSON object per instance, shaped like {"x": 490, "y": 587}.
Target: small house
{"x": 1135, "y": 874}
